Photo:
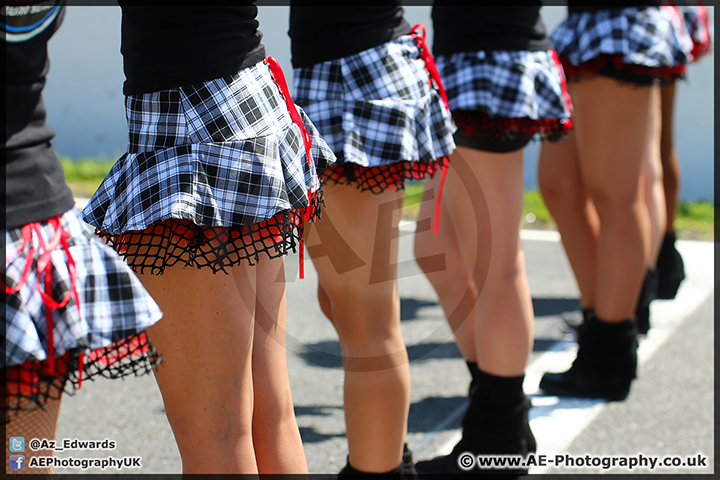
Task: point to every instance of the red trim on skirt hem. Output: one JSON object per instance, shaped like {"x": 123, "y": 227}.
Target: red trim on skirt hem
{"x": 171, "y": 241}
{"x": 381, "y": 178}
{"x": 31, "y": 384}
{"x": 613, "y": 66}
{"x": 475, "y": 123}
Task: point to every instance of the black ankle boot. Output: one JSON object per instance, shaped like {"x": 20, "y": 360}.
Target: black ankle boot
{"x": 405, "y": 471}
{"x": 495, "y": 423}
{"x": 395, "y": 473}
{"x": 671, "y": 270}
{"x": 605, "y": 365}
{"x": 575, "y": 322}
{"x": 407, "y": 467}
{"x": 648, "y": 293}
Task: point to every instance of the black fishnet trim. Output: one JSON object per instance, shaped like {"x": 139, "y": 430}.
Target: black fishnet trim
{"x": 134, "y": 355}
{"x": 383, "y": 177}
{"x": 476, "y": 123}
{"x": 29, "y": 386}
{"x": 172, "y": 241}
{"x": 627, "y": 74}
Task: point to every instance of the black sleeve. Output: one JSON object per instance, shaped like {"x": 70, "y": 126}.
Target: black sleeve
{"x": 576, "y": 6}
{"x": 319, "y": 34}
{"x": 35, "y": 187}
{"x": 482, "y": 28}
{"x": 167, "y": 47}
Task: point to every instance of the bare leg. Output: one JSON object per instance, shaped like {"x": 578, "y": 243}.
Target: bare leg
{"x": 670, "y": 164}
{"x": 611, "y": 137}
{"x": 441, "y": 259}
{"x": 356, "y": 264}
{"x": 276, "y": 438}
{"x": 40, "y": 424}
{"x": 504, "y": 322}
{"x": 205, "y": 339}
{"x": 484, "y": 202}
{"x": 652, "y": 172}
{"x": 564, "y": 194}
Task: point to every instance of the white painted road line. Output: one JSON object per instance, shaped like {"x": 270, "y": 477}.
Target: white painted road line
{"x": 408, "y": 226}
{"x": 556, "y": 421}
{"x": 81, "y": 202}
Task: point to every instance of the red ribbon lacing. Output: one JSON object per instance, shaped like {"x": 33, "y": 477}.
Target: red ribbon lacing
{"x": 44, "y": 267}
{"x": 436, "y": 82}
{"x": 563, "y": 86}
{"x": 279, "y": 79}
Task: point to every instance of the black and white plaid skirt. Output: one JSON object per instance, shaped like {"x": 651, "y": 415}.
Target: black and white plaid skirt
{"x": 380, "y": 115}
{"x": 696, "y": 22}
{"x": 633, "y": 45}
{"x": 215, "y": 174}
{"x": 507, "y": 95}
{"x": 73, "y": 310}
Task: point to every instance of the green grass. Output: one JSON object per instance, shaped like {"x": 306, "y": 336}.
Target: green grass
{"x": 85, "y": 174}
{"x": 413, "y": 195}
{"x": 695, "y": 220}
{"x": 536, "y": 214}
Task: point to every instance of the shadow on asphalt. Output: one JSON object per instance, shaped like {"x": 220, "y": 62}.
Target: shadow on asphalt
{"x": 433, "y": 351}
{"x": 310, "y": 435}
{"x": 409, "y": 307}
{"x": 544, "y": 344}
{"x": 328, "y": 354}
{"x": 322, "y": 354}
{"x": 424, "y": 414}
{"x": 543, "y": 307}
{"x": 547, "y": 307}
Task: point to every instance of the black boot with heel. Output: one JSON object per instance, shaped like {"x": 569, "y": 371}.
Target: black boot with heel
{"x": 648, "y": 293}
{"x": 495, "y": 423}
{"x": 405, "y": 471}
{"x": 605, "y": 366}
{"x": 671, "y": 269}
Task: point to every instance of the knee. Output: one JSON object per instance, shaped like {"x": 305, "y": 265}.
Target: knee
{"x": 611, "y": 204}
{"x": 218, "y": 435}
{"x": 506, "y": 268}
{"x": 368, "y": 323}
{"x": 557, "y": 191}
{"x": 425, "y": 250}
{"x": 325, "y": 303}
{"x": 273, "y": 409}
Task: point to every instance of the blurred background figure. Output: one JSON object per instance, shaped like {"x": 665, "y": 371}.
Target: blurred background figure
{"x": 669, "y": 264}
{"x": 73, "y": 309}
{"x": 596, "y": 183}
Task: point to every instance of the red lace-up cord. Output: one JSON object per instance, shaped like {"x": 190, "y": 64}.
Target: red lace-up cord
{"x": 279, "y": 78}
{"x": 563, "y": 85}
{"x": 431, "y": 68}
{"x": 44, "y": 267}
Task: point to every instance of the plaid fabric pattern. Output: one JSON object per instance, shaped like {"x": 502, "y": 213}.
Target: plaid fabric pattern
{"x": 697, "y": 25}
{"x": 113, "y": 304}
{"x": 220, "y": 154}
{"x": 377, "y": 107}
{"x": 643, "y": 37}
{"x": 506, "y": 84}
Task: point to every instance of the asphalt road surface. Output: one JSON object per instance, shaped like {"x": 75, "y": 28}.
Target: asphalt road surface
{"x": 669, "y": 413}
